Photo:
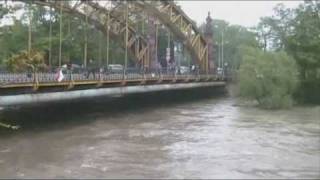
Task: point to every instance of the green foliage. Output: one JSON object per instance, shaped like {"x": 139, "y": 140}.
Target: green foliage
{"x": 304, "y": 45}
{"x": 268, "y": 77}
{"x": 14, "y": 37}
{"x": 297, "y": 31}
{"x": 25, "y": 60}
{"x": 234, "y": 37}
{"x": 3, "y": 10}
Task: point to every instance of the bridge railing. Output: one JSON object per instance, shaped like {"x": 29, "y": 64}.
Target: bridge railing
{"x": 100, "y": 74}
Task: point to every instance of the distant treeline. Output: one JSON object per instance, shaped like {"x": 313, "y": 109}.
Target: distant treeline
{"x": 290, "y": 39}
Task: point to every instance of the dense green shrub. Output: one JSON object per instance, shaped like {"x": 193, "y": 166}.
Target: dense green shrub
{"x": 25, "y": 60}
{"x": 268, "y": 77}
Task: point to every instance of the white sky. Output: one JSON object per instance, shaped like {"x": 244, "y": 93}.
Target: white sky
{"x": 245, "y": 13}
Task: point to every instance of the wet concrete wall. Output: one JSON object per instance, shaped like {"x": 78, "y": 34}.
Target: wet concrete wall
{"x": 22, "y": 99}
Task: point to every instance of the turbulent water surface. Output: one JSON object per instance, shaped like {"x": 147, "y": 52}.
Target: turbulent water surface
{"x": 159, "y": 138}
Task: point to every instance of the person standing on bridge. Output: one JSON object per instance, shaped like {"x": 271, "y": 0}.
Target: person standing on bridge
{"x": 91, "y": 69}
{"x": 69, "y": 70}
{"x": 159, "y": 68}
{"x": 59, "y": 75}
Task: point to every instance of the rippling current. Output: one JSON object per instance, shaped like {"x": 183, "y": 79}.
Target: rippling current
{"x": 161, "y": 137}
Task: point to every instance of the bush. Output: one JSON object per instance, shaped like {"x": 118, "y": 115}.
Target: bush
{"x": 25, "y": 60}
{"x": 268, "y": 77}
{"x": 309, "y": 91}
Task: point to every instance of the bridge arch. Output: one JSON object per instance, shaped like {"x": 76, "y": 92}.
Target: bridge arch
{"x": 172, "y": 17}
{"x": 181, "y": 26}
{"x": 165, "y": 11}
{"x": 137, "y": 45}
{"x": 175, "y": 20}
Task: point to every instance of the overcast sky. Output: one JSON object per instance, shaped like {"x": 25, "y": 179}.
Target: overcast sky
{"x": 246, "y": 13}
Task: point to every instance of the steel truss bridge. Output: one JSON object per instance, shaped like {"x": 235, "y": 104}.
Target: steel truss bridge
{"x": 119, "y": 21}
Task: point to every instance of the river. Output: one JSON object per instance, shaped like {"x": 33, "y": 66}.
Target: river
{"x": 156, "y": 137}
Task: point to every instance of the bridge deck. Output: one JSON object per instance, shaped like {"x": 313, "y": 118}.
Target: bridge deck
{"x": 48, "y": 80}
{"x": 25, "y": 91}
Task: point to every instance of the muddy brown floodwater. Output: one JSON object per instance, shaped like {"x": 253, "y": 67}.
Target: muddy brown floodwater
{"x": 205, "y": 138}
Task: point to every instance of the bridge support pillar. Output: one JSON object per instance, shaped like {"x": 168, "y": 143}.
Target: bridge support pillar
{"x": 209, "y": 38}
{"x": 152, "y": 41}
